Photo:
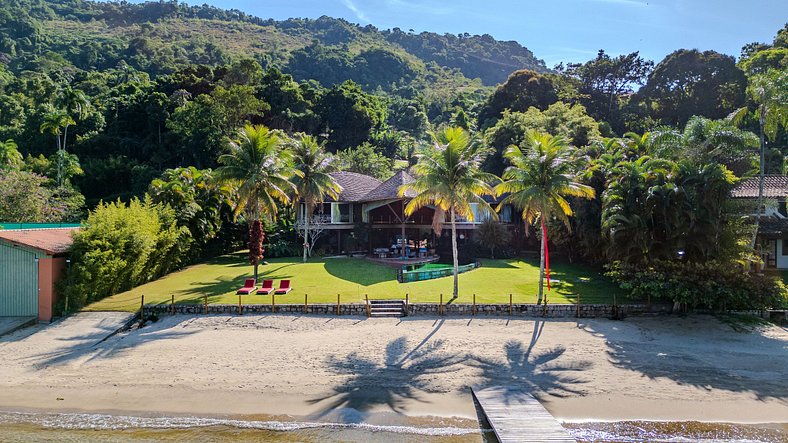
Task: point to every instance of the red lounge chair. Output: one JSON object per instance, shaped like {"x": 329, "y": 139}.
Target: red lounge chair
{"x": 267, "y": 288}
{"x": 284, "y": 287}
{"x": 248, "y": 288}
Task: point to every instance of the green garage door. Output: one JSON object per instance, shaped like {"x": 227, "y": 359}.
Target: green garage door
{"x": 18, "y": 282}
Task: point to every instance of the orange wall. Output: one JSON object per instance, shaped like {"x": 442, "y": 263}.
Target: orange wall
{"x": 50, "y": 270}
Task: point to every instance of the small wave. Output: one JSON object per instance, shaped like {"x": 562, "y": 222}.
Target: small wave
{"x": 122, "y": 422}
{"x": 671, "y": 432}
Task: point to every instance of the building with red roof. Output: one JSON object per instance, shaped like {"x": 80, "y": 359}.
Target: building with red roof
{"x": 31, "y": 263}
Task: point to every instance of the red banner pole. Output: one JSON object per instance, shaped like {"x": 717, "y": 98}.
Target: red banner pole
{"x": 546, "y": 256}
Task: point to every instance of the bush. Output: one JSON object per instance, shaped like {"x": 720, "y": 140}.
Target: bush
{"x": 121, "y": 246}
{"x": 708, "y": 285}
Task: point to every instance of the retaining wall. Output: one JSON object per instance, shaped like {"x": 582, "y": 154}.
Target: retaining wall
{"x": 416, "y": 309}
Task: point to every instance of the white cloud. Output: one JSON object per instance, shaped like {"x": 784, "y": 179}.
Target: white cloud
{"x": 359, "y": 13}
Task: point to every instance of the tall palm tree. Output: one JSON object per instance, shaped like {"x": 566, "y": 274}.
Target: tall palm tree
{"x": 76, "y": 104}
{"x": 769, "y": 91}
{"x": 52, "y": 124}
{"x": 261, "y": 168}
{"x": 449, "y": 176}
{"x": 537, "y": 183}
{"x": 312, "y": 180}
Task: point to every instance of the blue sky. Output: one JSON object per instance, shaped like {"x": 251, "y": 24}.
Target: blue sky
{"x": 558, "y": 30}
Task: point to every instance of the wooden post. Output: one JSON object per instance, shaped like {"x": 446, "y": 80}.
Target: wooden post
{"x": 440, "y": 306}
{"x": 305, "y": 303}
{"x": 474, "y": 305}
{"x": 510, "y": 304}
{"x": 338, "y": 305}
{"x": 205, "y": 304}
{"x": 273, "y": 304}
{"x": 369, "y": 313}
{"x": 142, "y": 308}
{"x": 172, "y": 305}
{"x": 407, "y": 304}
{"x": 240, "y": 310}
{"x": 578, "y": 305}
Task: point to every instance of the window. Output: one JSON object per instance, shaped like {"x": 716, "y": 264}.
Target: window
{"x": 341, "y": 213}
{"x": 506, "y": 214}
{"x": 785, "y": 246}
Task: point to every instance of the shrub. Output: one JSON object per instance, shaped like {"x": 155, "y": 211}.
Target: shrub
{"x": 710, "y": 285}
{"x": 121, "y": 246}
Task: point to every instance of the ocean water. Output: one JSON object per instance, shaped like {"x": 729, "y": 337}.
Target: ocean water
{"x": 36, "y": 427}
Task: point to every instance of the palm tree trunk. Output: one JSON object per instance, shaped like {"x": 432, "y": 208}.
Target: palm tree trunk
{"x": 455, "y": 293}
{"x": 59, "y": 158}
{"x": 761, "y": 178}
{"x": 541, "y": 270}
{"x": 306, "y": 230}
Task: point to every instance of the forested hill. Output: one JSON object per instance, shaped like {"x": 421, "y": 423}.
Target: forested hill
{"x": 161, "y": 37}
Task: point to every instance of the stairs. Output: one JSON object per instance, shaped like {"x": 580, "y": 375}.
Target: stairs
{"x": 387, "y": 308}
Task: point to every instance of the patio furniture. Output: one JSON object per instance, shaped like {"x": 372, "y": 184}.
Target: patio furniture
{"x": 267, "y": 288}
{"x": 248, "y": 288}
{"x": 284, "y": 287}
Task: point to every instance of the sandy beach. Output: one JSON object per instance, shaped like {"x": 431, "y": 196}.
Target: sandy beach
{"x": 368, "y": 370}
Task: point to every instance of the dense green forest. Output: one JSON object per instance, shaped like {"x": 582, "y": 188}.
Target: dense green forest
{"x": 101, "y": 101}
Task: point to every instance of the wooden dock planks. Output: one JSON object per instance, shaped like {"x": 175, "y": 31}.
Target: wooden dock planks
{"x": 516, "y": 416}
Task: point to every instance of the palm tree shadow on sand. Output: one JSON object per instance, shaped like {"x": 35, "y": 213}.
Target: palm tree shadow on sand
{"x": 524, "y": 370}
{"x": 403, "y": 376}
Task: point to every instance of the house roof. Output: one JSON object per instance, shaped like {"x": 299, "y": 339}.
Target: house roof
{"x": 52, "y": 241}
{"x": 774, "y": 186}
{"x": 354, "y": 186}
{"x": 773, "y": 227}
{"x": 390, "y": 188}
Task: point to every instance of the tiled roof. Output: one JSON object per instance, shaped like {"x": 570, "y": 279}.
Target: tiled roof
{"x": 51, "y": 241}
{"x": 390, "y": 188}
{"x": 773, "y": 227}
{"x": 354, "y": 186}
{"x": 774, "y": 186}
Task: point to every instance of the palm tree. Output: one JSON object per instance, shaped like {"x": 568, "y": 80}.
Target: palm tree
{"x": 770, "y": 91}
{"x": 52, "y": 123}
{"x": 76, "y": 104}
{"x": 261, "y": 169}
{"x": 626, "y": 220}
{"x": 312, "y": 180}
{"x": 538, "y": 182}
{"x": 449, "y": 176}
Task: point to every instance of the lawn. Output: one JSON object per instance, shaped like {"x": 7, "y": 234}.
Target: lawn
{"x": 353, "y": 278}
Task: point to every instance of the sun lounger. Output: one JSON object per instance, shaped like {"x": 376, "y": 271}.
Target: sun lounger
{"x": 284, "y": 287}
{"x": 267, "y": 288}
{"x": 248, "y": 288}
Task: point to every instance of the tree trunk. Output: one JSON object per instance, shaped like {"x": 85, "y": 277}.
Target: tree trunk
{"x": 455, "y": 293}
{"x": 60, "y": 157}
{"x": 306, "y": 231}
{"x": 761, "y": 178}
{"x": 541, "y": 270}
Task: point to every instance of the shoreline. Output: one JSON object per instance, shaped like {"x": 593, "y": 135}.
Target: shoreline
{"x": 404, "y": 371}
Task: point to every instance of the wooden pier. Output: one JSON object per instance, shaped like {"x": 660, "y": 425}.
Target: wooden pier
{"x": 516, "y": 416}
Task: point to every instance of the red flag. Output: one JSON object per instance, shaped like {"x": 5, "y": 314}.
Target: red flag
{"x": 546, "y": 255}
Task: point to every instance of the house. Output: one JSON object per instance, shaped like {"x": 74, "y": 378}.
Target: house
{"x": 772, "y": 238}
{"x": 31, "y": 263}
{"x": 376, "y": 206}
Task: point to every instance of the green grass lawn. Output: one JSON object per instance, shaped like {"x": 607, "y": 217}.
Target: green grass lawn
{"x": 353, "y": 278}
